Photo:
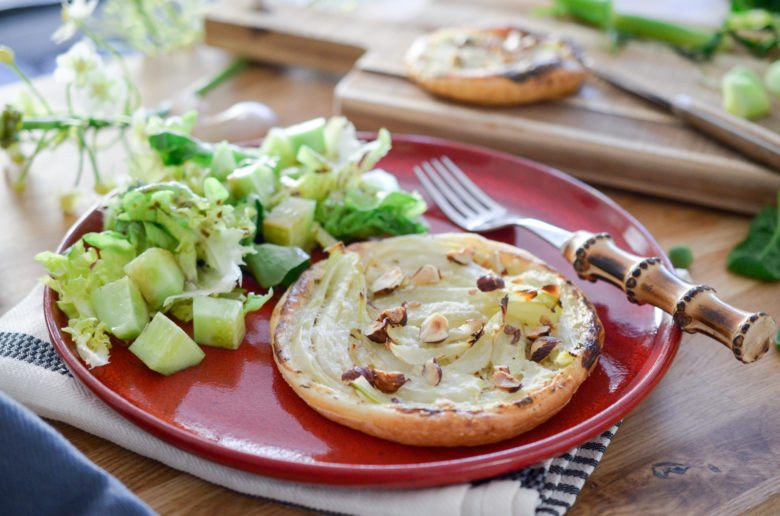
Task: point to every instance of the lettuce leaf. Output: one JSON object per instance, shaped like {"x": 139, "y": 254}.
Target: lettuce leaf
{"x": 361, "y": 214}
{"x": 758, "y": 256}
{"x": 273, "y": 264}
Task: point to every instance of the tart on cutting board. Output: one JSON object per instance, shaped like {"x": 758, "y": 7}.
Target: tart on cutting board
{"x": 495, "y": 66}
{"x": 435, "y": 340}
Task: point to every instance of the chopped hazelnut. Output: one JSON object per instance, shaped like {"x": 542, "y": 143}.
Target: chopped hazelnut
{"x": 388, "y": 381}
{"x": 434, "y": 328}
{"x": 355, "y": 372}
{"x": 541, "y": 330}
{"x": 387, "y": 282}
{"x": 490, "y": 283}
{"x": 425, "y": 274}
{"x": 542, "y": 347}
{"x": 377, "y": 331}
{"x": 462, "y": 256}
{"x": 515, "y": 332}
{"x": 503, "y": 380}
{"x": 394, "y": 316}
{"x": 431, "y": 372}
{"x": 474, "y": 328}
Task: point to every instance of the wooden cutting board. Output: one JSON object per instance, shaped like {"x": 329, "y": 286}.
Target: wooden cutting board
{"x": 601, "y": 135}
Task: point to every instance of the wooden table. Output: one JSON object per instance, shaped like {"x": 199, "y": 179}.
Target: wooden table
{"x": 705, "y": 441}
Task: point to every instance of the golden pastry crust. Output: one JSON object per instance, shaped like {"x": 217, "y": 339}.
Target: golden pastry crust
{"x": 491, "y": 413}
{"x": 495, "y": 66}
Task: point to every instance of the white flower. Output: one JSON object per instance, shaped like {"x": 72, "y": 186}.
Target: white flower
{"x": 103, "y": 93}
{"x": 73, "y": 13}
{"x": 78, "y": 63}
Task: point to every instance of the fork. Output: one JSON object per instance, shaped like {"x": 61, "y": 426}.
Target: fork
{"x": 695, "y": 308}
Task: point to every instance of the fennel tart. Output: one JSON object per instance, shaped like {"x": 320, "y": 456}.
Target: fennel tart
{"x": 435, "y": 340}
{"x": 495, "y": 66}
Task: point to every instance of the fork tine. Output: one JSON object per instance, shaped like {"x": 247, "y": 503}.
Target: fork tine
{"x": 445, "y": 189}
{"x": 458, "y": 189}
{"x": 440, "y": 200}
{"x": 470, "y": 186}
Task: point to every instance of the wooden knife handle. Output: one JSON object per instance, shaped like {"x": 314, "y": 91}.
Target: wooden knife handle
{"x": 751, "y": 139}
{"x": 695, "y": 308}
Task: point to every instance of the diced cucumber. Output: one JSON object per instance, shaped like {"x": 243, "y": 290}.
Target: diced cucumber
{"x": 218, "y": 322}
{"x": 277, "y": 143}
{"x": 121, "y": 307}
{"x": 155, "y": 236}
{"x": 157, "y": 275}
{"x": 290, "y": 223}
{"x": 222, "y": 161}
{"x": 166, "y": 348}
{"x": 310, "y": 133}
{"x": 532, "y": 308}
{"x": 772, "y": 78}
{"x": 743, "y": 93}
{"x": 257, "y": 178}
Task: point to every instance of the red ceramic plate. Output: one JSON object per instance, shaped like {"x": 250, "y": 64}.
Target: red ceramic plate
{"x": 234, "y": 408}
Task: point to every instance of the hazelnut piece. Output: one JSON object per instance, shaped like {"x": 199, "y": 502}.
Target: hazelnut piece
{"x": 434, "y": 328}
{"x": 474, "y": 328}
{"x": 394, "y": 316}
{"x": 542, "y": 347}
{"x": 462, "y": 256}
{"x": 387, "y": 282}
{"x": 503, "y": 380}
{"x": 388, "y": 381}
{"x": 490, "y": 283}
{"x": 431, "y": 372}
{"x": 425, "y": 274}
{"x": 377, "y": 331}
{"x": 541, "y": 330}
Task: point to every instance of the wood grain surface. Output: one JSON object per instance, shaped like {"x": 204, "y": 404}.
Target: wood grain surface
{"x": 600, "y": 135}
{"x": 704, "y": 442}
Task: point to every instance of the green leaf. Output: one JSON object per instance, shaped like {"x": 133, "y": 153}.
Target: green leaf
{"x": 758, "y": 256}
{"x": 254, "y": 302}
{"x": 176, "y": 148}
{"x": 361, "y": 215}
{"x": 273, "y": 264}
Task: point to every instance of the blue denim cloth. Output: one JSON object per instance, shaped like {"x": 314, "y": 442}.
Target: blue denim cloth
{"x": 41, "y": 473}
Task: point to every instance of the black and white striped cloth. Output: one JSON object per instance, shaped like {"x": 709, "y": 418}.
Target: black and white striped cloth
{"x": 32, "y": 373}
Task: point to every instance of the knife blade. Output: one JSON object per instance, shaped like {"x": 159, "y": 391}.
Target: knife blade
{"x": 752, "y": 140}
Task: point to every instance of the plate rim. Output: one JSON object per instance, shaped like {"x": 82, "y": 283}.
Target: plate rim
{"x": 419, "y": 474}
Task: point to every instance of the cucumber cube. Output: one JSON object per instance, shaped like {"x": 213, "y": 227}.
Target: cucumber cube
{"x": 277, "y": 143}
{"x": 218, "y": 322}
{"x": 257, "y": 179}
{"x": 121, "y": 307}
{"x": 743, "y": 93}
{"x": 310, "y": 133}
{"x": 157, "y": 275}
{"x": 166, "y": 348}
{"x": 290, "y": 223}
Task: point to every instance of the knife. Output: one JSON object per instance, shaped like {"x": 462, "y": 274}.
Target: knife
{"x": 750, "y": 139}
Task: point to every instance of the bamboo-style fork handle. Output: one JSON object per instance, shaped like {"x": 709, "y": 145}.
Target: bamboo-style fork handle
{"x": 695, "y": 308}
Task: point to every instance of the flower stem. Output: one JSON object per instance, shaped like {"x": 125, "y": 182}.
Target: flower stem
{"x": 30, "y": 85}
{"x": 21, "y": 182}
{"x": 150, "y": 28}
{"x": 237, "y": 66}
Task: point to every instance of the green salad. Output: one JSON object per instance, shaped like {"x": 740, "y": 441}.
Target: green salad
{"x": 177, "y": 242}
